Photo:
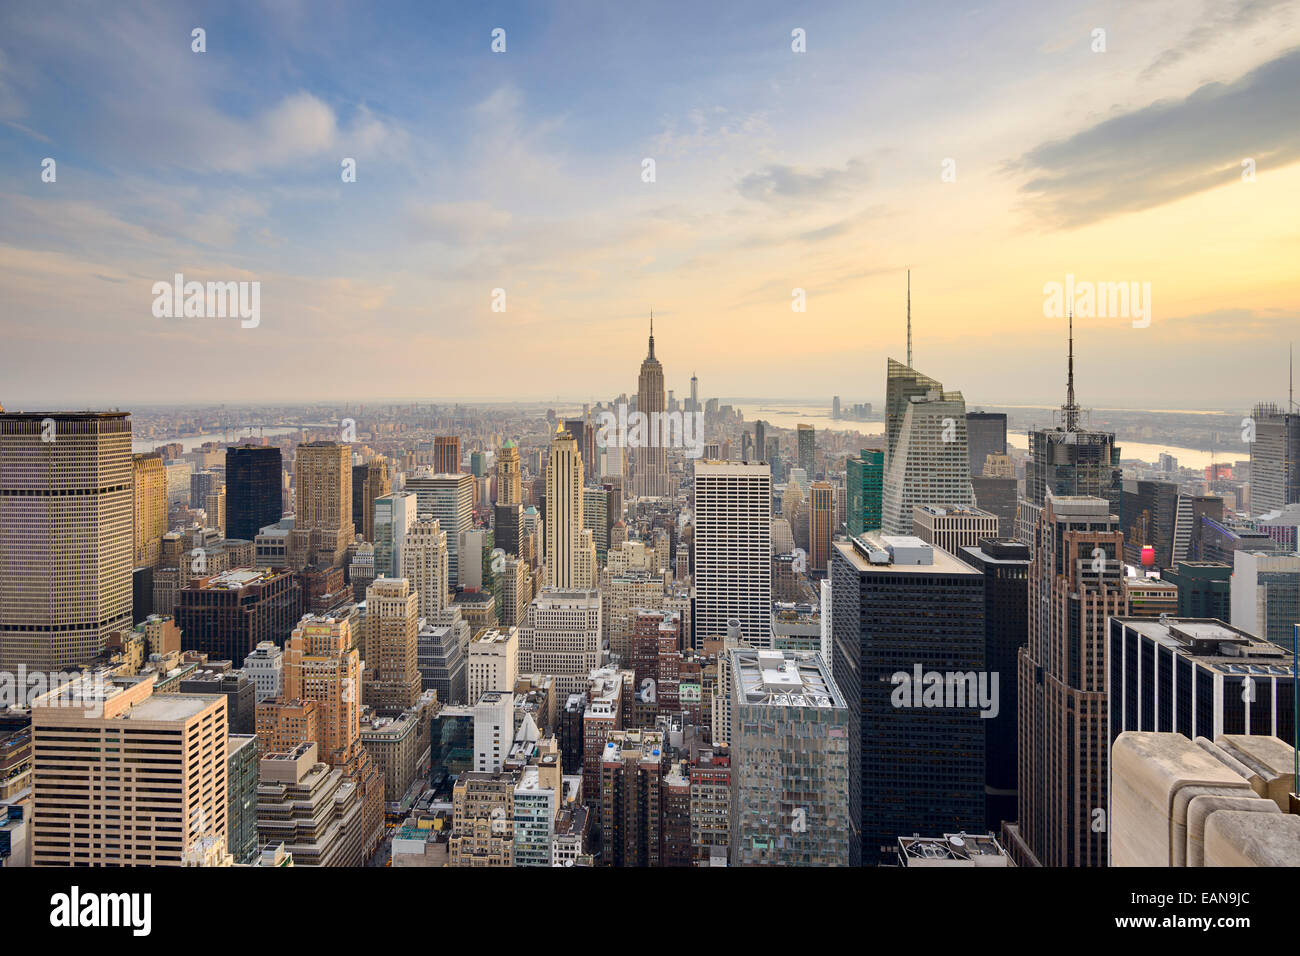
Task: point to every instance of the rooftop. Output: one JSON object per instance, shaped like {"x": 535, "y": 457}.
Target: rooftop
{"x": 879, "y": 553}
{"x": 237, "y": 578}
{"x": 1215, "y": 645}
{"x": 784, "y": 679}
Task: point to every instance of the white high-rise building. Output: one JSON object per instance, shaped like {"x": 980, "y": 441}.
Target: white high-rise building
{"x": 1266, "y": 595}
{"x": 562, "y": 638}
{"x": 494, "y": 730}
{"x": 493, "y": 661}
{"x": 425, "y": 564}
{"x": 473, "y": 542}
{"x": 564, "y": 514}
{"x": 450, "y": 499}
{"x": 395, "y": 514}
{"x": 930, "y": 463}
{"x": 733, "y": 549}
{"x": 265, "y": 668}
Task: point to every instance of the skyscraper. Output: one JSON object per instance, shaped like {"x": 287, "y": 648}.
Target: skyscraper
{"x": 760, "y": 442}
{"x": 909, "y": 618}
{"x": 369, "y": 481}
{"x": 928, "y": 462}
{"x": 581, "y": 431}
{"x": 254, "y": 496}
{"x": 1068, "y": 460}
{"x": 1198, "y": 678}
{"x": 446, "y": 454}
{"x": 322, "y": 666}
{"x": 1147, "y": 518}
{"x": 322, "y": 527}
{"x": 902, "y": 384}
{"x": 1005, "y": 566}
{"x": 1266, "y": 595}
{"x": 424, "y": 562}
{"x": 807, "y": 449}
{"x": 450, "y": 499}
{"x": 865, "y": 483}
{"x": 394, "y": 515}
{"x": 509, "y": 475}
{"x": 733, "y": 550}
{"x": 986, "y": 434}
{"x": 158, "y": 800}
{"x": 149, "y": 492}
{"x": 1075, "y": 583}
{"x": 632, "y": 766}
{"x": 392, "y": 675}
{"x": 564, "y": 511}
{"x": 652, "y": 459}
{"x": 562, "y": 638}
{"x": 1204, "y": 589}
{"x": 790, "y": 751}
{"x": 821, "y": 524}
{"x": 1274, "y": 458}
{"x": 507, "y": 520}
{"x": 227, "y": 615}
{"x": 66, "y": 542}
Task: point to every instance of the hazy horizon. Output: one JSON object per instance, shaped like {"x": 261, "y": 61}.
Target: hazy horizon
{"x": 889, "y": 144}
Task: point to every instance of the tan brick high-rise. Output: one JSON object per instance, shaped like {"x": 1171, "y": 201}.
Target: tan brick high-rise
{"x": 321, "y": 665}
{"x": 124, "y": 777}
{"x": 1075, "y": 583}
{"x": 323, "y": 526}
{"x": 821, "y": 524}
{"x": 149, "y": 492}
{"x": 66, "y": 540}
{"x": 509, "y": 474}
{"x": 392, "y": 673}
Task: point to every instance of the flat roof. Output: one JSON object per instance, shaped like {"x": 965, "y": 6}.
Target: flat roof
{"x": 944, "y": 561}
{"x": 1215, "y": 645}
{"x": 169, "y": 706}
{"x": 784, "y": 679}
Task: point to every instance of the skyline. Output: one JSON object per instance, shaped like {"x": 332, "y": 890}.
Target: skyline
{"x": 523, "y": 171}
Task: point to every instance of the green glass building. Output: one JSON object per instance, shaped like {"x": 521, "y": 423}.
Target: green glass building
{"x": 866, "y": 479}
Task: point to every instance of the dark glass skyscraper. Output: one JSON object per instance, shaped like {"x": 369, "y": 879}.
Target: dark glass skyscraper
{"x": 907, "y": 617}
{"x": 1005, "y": 566}
{"x": 1197, "y": 677}
{"x": 986, "y": 434}
{"x": 1147, "y": 513}
{"x": 1068, "y": 460}
{"x": 253, "y": 490}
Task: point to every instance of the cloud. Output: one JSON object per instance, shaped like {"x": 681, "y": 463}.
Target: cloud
{"x": 1168, "y": 150}
{"x": 781, "y": 183}
{"x": 1218, "y": 20}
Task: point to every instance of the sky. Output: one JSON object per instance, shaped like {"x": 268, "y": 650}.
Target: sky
{"x": 990, "y": 148}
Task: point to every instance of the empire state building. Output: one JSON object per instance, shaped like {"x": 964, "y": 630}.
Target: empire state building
{"x": 652, "y": 459}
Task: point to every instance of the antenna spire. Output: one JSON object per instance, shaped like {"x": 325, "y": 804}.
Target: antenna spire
{"x": 652, "y": 333}
{"x": 909, "y": 318}
{"x": 1070, "y": 410}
